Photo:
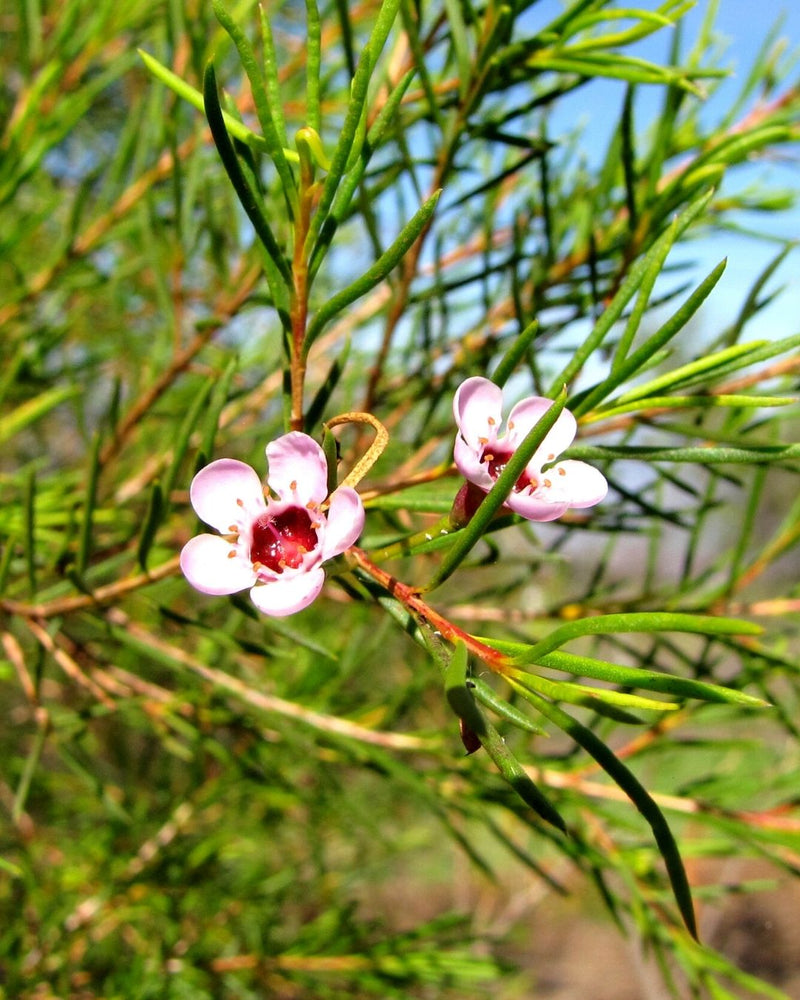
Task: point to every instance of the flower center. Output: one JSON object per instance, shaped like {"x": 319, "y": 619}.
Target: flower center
{"x": 282, "y": 540}
{"x": 496, "y": 458}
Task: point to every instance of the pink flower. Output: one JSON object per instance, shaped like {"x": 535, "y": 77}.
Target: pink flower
{"x": 481, "y": 453}
{"x": 276, "y": 547}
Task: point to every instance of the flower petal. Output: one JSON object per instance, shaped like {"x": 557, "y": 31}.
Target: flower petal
{"x": 345, "y": 522}
{"x": 534, "y": 507}
{"x": 478, "y": 410}
{"x": 524, "y": 416}
{"x": 468, "y": 462}
{"x": 288, "y": 594}
{"x": 297, "y": 469}
{"x": 207, "y": 564}
{"x": 223, "y": 490}
{"x": 527, "y": 413}
{"x": 577, "y": 483}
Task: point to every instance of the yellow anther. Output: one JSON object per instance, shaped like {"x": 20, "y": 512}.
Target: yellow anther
{"x": 547, "y": 483}
{"x": 239, "y": 503}
{"x": 562, "y": 471}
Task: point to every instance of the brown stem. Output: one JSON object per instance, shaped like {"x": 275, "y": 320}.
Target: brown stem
{"x": 422, "y": 612}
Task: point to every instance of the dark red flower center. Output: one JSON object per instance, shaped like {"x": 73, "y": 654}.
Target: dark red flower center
{"x": 497, "y": 458}
{"x": 281, "y": 540}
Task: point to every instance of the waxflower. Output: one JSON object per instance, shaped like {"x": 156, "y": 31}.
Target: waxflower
{"x": 275, "y": 542}
{"x": 481, "y": 453}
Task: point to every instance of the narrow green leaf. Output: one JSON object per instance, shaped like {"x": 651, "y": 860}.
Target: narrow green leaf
{"x": 775, "y": 454}
{"x": 219, "y": 397}
{"x": 90, "y": 499}
{"x": 271, "y": 80}
{"x": 272, "y": 138}
{"x": 639, "y": 358}
{"x": 635, "y": 791}
{"x": 351, "y": 137}
{"x": 330, "y": 448}
{"x": 151, "y": 523}
{"x": 489, "y": 697}
{"x": 322, "y": 396}
{"x": 29, "y": 535}
{"x": 458, "y": 694}
{"x": 382, "y": 267}
{"x": 313, "y": 61}
{"x": 461, "y": 700}
{"x": 643, "y": 270}
{"x": 696, "y": 402}
{"x": 185, "y": 430}
{"x": 688, "y": 373}
{"x": 279, "y": 277}
{"x": 189, "y": 93}
{"x": 354, "y": 174}
{"x": 496, "y": 497}
{"x": 460, "y": 42}
{"x": 648, "y": 680}
{"x": 515, "y": 353}
{"x": 593, "y": 697}
{"x": 518, "y": 778}
{"x": 32, "y": 409}
{"x": 646, "y": 621}
{"x": 628, "y": 157}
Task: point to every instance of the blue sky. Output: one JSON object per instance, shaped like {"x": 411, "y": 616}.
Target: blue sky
{"x": 742, "y": 28}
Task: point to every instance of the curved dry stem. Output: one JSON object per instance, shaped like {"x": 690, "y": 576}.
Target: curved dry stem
{"x": 375, "y": 450}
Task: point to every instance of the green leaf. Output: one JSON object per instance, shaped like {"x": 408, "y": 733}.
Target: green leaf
{"x": 382, "y": 267}
{"x": 649, "y": 680}
{"x": 183, "y": 434}
{"x": 152, "y": 520}
{"x": 90, "y": 495}
{"x": 32, "y": 409}
{"x": 515, "y": 354}
{"x": 489, "y": 697}
{"x": 189, "y": 93}
{"x": 279, "y": 274}
{"x": 646, "y": 621}
{"x": 601, "y": 700}
{"x": 272, "y": 137}
{"x": 642, "y": 274}
{"x": 461, "y": 700}
{"x": 639, "y": 358}
{"x": 351, "y": 136}
{"x": 755, "y": 455}
{"x": 635, "y": 791}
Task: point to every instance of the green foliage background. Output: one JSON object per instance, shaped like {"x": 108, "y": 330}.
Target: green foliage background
{"x": 201, "y": 802}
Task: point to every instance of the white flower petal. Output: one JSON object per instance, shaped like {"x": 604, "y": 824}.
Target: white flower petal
{"x": 559, "y": 437}
{"x": 207, "y": 564}
{"x": 468, "y": 462}
{"x": 297, "y": 469}
{"x": 579, "y": 484}
{"x": 478, "y": 410}
{"x": 524, "y": 415}
{"x": 288, "y": 594}
{"x": 345, "y": 522}
{"x": 534, "y": 507}
{"x": 225, "y": 490}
